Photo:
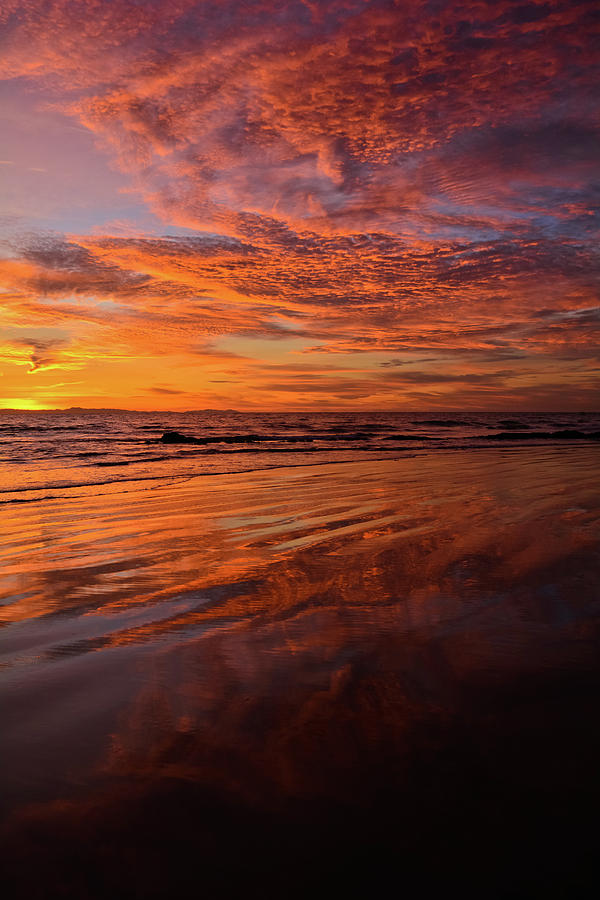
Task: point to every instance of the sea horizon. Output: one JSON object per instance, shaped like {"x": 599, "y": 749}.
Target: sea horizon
{"x": 305, "y": 410}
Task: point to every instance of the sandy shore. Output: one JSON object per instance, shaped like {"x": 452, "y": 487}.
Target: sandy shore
{"x": 337, "y": 671}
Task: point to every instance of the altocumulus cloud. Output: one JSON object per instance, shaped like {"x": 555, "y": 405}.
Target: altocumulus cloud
{"x": 385, "y": 175}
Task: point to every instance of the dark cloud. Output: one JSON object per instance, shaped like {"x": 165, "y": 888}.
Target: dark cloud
{"x": 491, "y": 378}
{"x": 163, "y": 390}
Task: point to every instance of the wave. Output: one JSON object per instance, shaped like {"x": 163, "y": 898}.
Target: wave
{"x": 16, "y": 428}
{"x": 54, "y": 441}
{"x": 82, "y": 485}
{"x": 273, "y": 451}
{"x": 173, "y": 478}
{"x": 129, "y": 462}
{"x": 341, "y": 429}
{"x": 567, "y": 434}
{"x": 177, "y": 438}
{"x": 513, "y": 424}
{"x": 446, "y": 423}
{"x": 408, "y": 437}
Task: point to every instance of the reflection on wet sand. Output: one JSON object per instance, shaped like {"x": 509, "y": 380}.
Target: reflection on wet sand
{"x": 307, "y": 677}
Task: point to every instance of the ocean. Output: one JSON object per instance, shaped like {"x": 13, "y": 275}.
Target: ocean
{"x": 43, "y": 454}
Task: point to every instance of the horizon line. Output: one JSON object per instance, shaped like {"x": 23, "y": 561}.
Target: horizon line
{"x": 100, "y": 409}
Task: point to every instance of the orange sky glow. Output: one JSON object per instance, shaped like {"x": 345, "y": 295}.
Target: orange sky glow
{"x": 299, "y": 205}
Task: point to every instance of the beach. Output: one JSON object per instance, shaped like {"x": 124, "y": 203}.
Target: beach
{"x": 319, "y": 675}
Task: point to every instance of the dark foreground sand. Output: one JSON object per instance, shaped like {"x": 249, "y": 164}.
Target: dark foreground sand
{"x": 373, "y": 679}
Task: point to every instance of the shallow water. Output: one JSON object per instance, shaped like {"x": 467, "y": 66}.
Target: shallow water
{"x": 329, "y": 673}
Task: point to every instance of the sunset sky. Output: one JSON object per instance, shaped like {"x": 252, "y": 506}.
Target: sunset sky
{"x": 300, "y": 205}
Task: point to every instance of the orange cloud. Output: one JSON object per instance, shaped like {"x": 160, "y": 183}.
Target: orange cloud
{"x": 346, "y": 180}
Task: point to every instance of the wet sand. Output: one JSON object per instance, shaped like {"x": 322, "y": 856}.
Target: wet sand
{"x": 307, "y": 680}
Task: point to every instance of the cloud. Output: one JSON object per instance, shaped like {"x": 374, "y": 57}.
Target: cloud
{"x": 38, "y": 354}
{"x": 394, "y": 179}
{"x": 164, "y": 390}
{"x": 454, "y": 378}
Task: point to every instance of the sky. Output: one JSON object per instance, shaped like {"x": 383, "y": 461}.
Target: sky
{"x": 265, "y": 205}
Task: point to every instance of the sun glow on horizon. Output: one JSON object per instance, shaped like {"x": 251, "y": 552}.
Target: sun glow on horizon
{"x": 25, "y": 405}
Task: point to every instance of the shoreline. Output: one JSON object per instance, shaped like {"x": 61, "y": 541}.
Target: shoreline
{"x": 409, "y": 453}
